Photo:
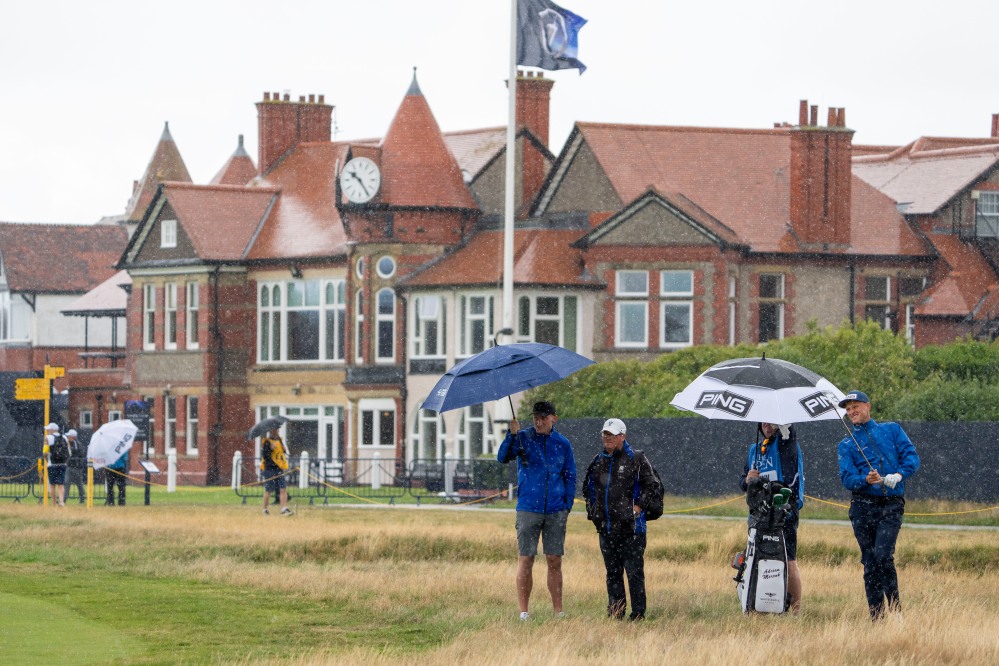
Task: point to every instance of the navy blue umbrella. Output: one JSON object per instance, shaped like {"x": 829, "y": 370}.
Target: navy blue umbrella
{"x": 502, "y": 371}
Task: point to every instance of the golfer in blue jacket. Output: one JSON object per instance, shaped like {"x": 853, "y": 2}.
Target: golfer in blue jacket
{"x": 546, "y": 474}
{"x": 874, "y": 462}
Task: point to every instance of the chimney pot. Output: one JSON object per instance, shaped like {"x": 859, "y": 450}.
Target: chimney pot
{"x": 814, "y": 117}
{"x": 841, "y": 117}
{"x": 267, "y": 97}
{"x": 803, "y": 113}
{"x": 312, "y": 99}
{"x": 301, "y": 99}
{"x": 322, "y": 99}
{"x": 287, "y": 97}
{"x": 276, "y": 97}
{"x": 995, "y": 125}
{"x": 831, "y": 117}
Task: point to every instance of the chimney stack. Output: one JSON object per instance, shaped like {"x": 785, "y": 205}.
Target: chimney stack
{"x": 282, "y": 125}
{"x": 995, "y": 125}
{"x": 821, "y": 176}
{"x": 533, "y": 105}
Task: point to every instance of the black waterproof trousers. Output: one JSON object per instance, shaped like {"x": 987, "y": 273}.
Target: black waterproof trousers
{"x": 624, "y": 553}
{"x": 876, "y": 523}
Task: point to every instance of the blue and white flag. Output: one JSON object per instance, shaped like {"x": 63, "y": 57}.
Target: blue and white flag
{"x": 548, "y": 36}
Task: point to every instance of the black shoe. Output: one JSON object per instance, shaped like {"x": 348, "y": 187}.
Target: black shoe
{"x": 636, "y": 618}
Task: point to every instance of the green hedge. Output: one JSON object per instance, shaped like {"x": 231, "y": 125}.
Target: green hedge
{"x": 954, "y": 382}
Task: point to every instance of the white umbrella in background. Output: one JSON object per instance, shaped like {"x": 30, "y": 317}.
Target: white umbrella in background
{"x": 110, "y": 441}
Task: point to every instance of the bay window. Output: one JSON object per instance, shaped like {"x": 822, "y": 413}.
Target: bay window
{"x": 301, "y": 320}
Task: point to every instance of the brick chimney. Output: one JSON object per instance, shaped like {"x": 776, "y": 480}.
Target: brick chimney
{"x": 283, "y": 124}
{"x": 995, "y": 125}
{"x": 820, "y": 177}
{"x": 533, "y": 102}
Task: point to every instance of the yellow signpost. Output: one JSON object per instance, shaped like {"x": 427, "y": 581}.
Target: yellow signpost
{"x": 40, "y": 389}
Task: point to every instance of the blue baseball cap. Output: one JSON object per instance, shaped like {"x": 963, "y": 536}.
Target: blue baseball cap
{"x": 854, "y": 396}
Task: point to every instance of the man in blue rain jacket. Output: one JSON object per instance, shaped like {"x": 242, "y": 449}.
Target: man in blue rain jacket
{"x": 874, "y": 462}
{"x": 546, "y": 477}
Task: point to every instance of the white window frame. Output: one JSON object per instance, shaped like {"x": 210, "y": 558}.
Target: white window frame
{"x": 987, "y": 213}
{"x": 170, "y": 424}
{"x": 673, "y": 299}
{"x": 170, "y": 315}
{"x": 333, "y": 334}
{"x": 623, "y": 276}
{"x": 168, "y": 233}
{"x": 15, "y": 316}
{"x": 910, "y": 323}
{"x": 619, "y": 318}
{"x": 378, "y": 267}
{"x": 884, "y": 321}
{"x": 192, "y": 305}
{"x": 385, "y": 325}
{"x": 149, "y": 316}
{"x": 327, "y": 417}
{"x": 375, "y": 407}
{"x": 114, "y": 415}
{"x": 468, "y": 319}
{"x": 419, "y": 433}
{"x": 463, "y": 440}
{"x": 423, "y": 316}
{"x": 273, "y": 318}
{"x": 86, "y": 419}
{"x": 772, "y": 300}
{"x": 191, "y": 433}
{"x": 528, "y": 317}
{"x": 359, "y": 326}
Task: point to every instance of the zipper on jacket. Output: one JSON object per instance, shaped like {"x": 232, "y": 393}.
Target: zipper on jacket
{"x": 610, "y": 479}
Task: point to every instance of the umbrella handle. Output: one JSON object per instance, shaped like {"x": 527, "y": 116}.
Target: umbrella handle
{"x": 512, "y": 413}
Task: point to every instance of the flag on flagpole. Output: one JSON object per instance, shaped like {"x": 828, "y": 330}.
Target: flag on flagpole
{"x": 548, "y": 36}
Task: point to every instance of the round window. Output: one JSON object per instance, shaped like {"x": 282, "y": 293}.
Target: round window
{"x": 386, "y": 267}
{"x": 359, "y": 268}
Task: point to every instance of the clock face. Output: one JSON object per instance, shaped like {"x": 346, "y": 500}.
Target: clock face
{"x": 360, "y": 180}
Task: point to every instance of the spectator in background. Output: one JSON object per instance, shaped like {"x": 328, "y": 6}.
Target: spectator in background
{"x": 273, "y": 466}
{"x": 58, "y": 454}
{"x": 76, "y": 467}
{"x": 116, "y": 475}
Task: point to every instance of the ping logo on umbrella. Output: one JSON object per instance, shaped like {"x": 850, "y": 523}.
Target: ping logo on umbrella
{"x": 818, "y": 403}
{"x": 726, "y": 401}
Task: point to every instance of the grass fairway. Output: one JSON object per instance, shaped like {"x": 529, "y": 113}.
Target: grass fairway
{"x": 223, "y": 584}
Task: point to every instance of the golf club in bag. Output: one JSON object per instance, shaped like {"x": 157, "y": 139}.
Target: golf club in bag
{"x": 761, "y": 578}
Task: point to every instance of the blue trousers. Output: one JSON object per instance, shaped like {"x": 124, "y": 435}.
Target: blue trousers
{"x": 624, "y": 553}
{"x": 876, "y": 524}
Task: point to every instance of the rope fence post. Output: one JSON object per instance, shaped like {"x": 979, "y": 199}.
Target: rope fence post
{"x": 171, "y": 472}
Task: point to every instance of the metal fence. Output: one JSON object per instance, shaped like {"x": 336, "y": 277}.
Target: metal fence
{"x": 381, "y": 480}
{"x": 18, "y": 477}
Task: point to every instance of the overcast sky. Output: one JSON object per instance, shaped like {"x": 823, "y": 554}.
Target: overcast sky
{"x": 85, "y": 87}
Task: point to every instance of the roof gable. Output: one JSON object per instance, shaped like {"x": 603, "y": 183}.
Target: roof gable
{"x": 59, "y": 258}
{"x": 238, "y": 169}
{"x": 966, "y": 279}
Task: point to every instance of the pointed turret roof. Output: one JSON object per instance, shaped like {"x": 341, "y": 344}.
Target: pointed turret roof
{"x": 417, "y": 167}
{"x": 166, "y": 164}
{"x": 238, "y": 169}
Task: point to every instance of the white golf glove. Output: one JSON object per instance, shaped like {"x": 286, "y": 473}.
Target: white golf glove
{"x": 892, "y": 480}
{"x": 785, "y": 431}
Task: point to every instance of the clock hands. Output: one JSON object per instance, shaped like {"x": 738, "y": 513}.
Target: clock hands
{"x": 353, "y": 174}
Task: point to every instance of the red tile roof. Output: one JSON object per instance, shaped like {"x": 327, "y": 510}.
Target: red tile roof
{"x": 220, "y": 220}
{"x": 964, "y": 287}
{"x": 59, "y": 258}
{"x": 541, "y": 258}
{"x": 305, "y": 223}
{"x": 238, "y": 169}
{"x": 740, "y": 178}
{"x": 165, "y": 165}
{"x": 474, "y": 149}
{"x": 417, "y": 167}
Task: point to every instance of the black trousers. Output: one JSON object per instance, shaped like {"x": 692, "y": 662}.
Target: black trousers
{"x": 876, "y": 525}
{"x": 112, "y": 479}
{"x": 624, "y": 553}
{"x": 76, "y": 476}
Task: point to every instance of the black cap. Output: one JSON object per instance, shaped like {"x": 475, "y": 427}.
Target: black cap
{"x": 543, "y": 408}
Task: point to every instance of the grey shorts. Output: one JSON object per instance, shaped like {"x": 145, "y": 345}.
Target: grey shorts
{"x": 549, "y": 526}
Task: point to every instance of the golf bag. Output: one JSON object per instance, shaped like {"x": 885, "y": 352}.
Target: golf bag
{"x": 761, "y": 578}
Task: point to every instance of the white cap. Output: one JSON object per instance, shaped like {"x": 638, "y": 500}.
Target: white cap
{"x": 71, "y": 433}
{"x": 51, "y": 426}
{"x": 614, "y": 427}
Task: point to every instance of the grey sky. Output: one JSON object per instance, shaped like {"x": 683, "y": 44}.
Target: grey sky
{"x": 85, "y": 87}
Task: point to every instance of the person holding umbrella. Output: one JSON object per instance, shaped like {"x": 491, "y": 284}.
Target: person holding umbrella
{"x": 273, "y": 465}
{"x": 778, "y": 458}
{"x": 874, "y": 461}
{"x": 546, "y": 474}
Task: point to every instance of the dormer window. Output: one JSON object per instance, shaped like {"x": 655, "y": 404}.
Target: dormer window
{"x": 168, "y": 233}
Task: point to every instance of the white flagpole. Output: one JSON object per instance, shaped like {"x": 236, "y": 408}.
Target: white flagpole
{"x": 511, "y": 155}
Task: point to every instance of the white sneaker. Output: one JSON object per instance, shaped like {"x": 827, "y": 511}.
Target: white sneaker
{"x": 525, "y": 616}
{"x": 286, "y": 511}
{"x": 266, "y": 512}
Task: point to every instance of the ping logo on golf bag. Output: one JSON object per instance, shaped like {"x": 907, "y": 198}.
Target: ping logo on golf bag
{"x": 818, "y": 403}
{"x": 770, "y": 537}
{"x": 726, "y": 401}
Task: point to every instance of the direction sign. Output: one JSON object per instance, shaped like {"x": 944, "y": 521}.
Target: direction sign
{"x": 31, "y": 389}
{"x": 54, "y": 371}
